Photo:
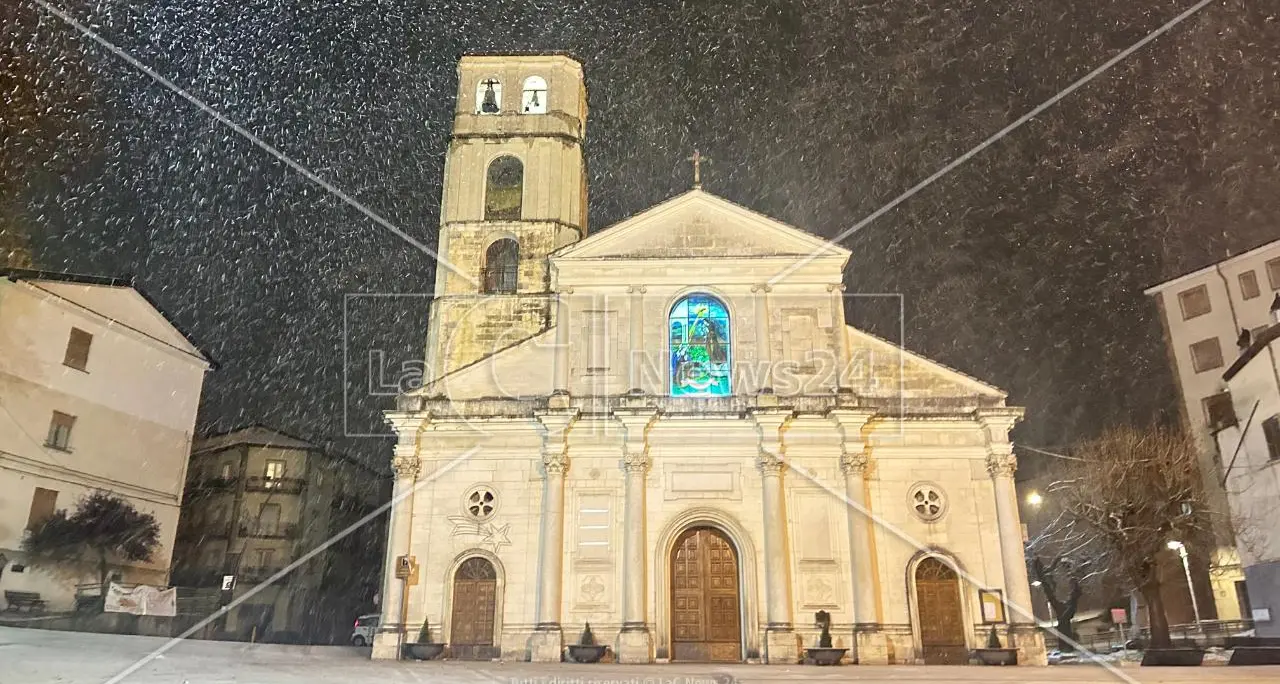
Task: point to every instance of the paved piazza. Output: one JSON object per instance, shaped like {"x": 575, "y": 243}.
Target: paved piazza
{"x": 31, "y": 656}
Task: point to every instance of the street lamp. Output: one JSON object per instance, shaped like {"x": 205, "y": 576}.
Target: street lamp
{"x": 1186, "y": 568}
{"x": 1035, "y": 499}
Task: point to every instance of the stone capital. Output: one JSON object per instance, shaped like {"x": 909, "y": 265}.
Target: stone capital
{"x": 636, "y": 462}
{"x": 854, "y": 463}
{"x": 555, "y": 440}
{"x": 1001, "y": 463}
{"x": 835, "y": 287}
{"x": 406, "y": 466}
{"x": 762, "y": 287}
{"x": 637, "y": 289}
{"x": 555, "y": 463}
{"x": 769, "y": 463}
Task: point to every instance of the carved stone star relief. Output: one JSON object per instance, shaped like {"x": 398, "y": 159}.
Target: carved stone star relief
{"x": 496, "y": 537}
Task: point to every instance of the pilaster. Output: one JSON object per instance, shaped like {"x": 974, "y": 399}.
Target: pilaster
{"x": 781, "y": 645}
{"x": 547, "y": 643}
{"x": 1001, "y": 465}
{"x": 635, "y": 643}
{"x": 854, "y": 461}
{"x": 406, "y": 463}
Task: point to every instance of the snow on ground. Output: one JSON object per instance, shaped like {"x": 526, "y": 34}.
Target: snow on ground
{"x": 31, "y": 656}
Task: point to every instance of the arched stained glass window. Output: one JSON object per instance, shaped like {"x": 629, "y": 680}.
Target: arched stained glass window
{"x": 504, "y": 189}
{"x": 700, "y": 347}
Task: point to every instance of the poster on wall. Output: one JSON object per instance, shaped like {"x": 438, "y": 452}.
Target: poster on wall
{"x": 142, "y": 599}
{"x": 992, "y": 601}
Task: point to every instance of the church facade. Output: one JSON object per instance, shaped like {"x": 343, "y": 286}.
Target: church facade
{"x": 666, "y": 429}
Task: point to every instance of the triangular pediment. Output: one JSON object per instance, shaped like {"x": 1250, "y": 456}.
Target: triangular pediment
{"x": 696, "y": 225}
{"x": 880, "y": 368}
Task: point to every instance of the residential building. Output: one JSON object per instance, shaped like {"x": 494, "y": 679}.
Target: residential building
{"x": 98, "y": 391}
{"x": 668, "y": 430}
{"x": 1202, "y": 314}
{"x": 1246, "y": 419}
{"x": 258, "y": 500}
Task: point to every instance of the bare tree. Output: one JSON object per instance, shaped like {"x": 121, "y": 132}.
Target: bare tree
{"x": 1067, "y": 560}
{"x": 1132, "y": 491}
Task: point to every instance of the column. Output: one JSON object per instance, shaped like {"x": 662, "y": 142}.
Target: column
{"x": 842, "y": 337}
{"x": 869, "y": 642}
{"x": 764, "y": 344}
{"x": 635, "y": 644}
{"x": 780, "y": 640}
{"x": 635, "y": 355}
{"x": 562, "y": 341}
{"x": 389, "y": 637}
{"x": 547, "y": 643}
{"x": 1001, "y": 465}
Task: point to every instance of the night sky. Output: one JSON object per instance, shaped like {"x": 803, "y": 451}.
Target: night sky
{"x": 1025, "y": 267}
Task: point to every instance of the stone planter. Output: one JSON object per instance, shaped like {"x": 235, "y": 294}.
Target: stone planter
{"x": 587, "y": 654}
{"x": 1255, "y": 655}
{"x": 996, "y": 656}
{"x": 1180, "y": 657}
{"x": 825, "y": 656}
{"x": 423, "y": 651}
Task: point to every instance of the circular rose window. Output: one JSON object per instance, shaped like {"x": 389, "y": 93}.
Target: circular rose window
{"x": 927, "y": 502}
{"x": 480, "y": 502}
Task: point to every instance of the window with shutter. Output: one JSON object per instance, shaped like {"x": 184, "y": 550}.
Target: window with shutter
{"x": 1206, "y": 355}
{"x": 43, "y": 503}
{"x": 1271, "y": 431}
{"x": 1194, "y": 302}
{"x": 1248, "y": 285}
{"x": 77, "y": 354}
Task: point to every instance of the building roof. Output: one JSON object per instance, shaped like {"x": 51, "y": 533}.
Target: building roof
{"x": 251, "y": 435}
{"x": 1260, "y": 342}
{"x": 1154, "y": 289}
{"x": 146, "y": 327}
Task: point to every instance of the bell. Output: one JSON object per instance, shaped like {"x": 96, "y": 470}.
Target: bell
{"x": 490, "y": 103}
{"x": 533, "y": 102}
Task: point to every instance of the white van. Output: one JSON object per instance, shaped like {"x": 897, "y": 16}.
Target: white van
{"x": 362, "y": 633}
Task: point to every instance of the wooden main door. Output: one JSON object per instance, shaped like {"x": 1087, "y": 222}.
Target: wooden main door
{"x": 941, "y": 618}
{"x": 705, "y": 615}
{"x": 475, "y": 598}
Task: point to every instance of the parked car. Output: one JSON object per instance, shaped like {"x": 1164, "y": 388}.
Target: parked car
{"x": 362, "y": 633}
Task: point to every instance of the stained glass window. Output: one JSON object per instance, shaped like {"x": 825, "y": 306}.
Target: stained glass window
{"x": 700, "y": 347}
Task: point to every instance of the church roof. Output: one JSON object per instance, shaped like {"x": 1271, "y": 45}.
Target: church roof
{"x": 698, "y": 224}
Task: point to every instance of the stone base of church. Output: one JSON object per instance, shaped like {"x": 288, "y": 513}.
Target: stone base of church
{"x": 635, "y": 646}
{"x": 386, "y": 646}
{"x": 1030, "y": 644}
{"x": 547, "y": 645}
{"x": 872, "y": 647}
{"x": 781, "y": 647}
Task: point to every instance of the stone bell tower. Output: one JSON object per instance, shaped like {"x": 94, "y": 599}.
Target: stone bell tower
{"x": 515, "y": 190}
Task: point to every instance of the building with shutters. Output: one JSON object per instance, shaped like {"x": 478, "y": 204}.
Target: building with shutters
{"x": 1203, "y": 314}
{"x": 667, "y": 429}
{"x": 258, "y": 503}
{"x": 98, "y": 391}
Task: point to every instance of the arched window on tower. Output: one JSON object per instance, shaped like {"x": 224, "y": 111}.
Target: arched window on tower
{"x": 504, "y": 189}
{"x": 489, "y": 96}
{"x": 501, "y": 266}
{"x": 700, "y": 347}
{"x": 534, "y": 100}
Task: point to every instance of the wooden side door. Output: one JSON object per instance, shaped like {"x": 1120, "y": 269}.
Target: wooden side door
{"x": 475, "y": 598}
{"x": 941, "y": 617}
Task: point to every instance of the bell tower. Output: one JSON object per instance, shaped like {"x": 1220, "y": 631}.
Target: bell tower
{"x": 515, "y": 190}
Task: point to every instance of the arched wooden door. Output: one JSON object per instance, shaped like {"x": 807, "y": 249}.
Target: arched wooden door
{"x": 705, "y": 615}
{"x": 475, "y": 598}
{"x": 941, "y": 617}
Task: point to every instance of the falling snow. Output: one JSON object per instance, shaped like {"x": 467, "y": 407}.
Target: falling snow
{"x": 1026, "y": 266}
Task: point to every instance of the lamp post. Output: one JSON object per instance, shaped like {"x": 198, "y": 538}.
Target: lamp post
{"x": 1186, "y": 568}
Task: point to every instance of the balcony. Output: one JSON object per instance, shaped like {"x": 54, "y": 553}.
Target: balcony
{"x": 256, "y": 574}
{"x": 198, "y": 531}
{"x": 195, "y": 577}
{"x": 214, "y": 484}
{"x": 265, "y": 531}
{"x": 280, "y": 485}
